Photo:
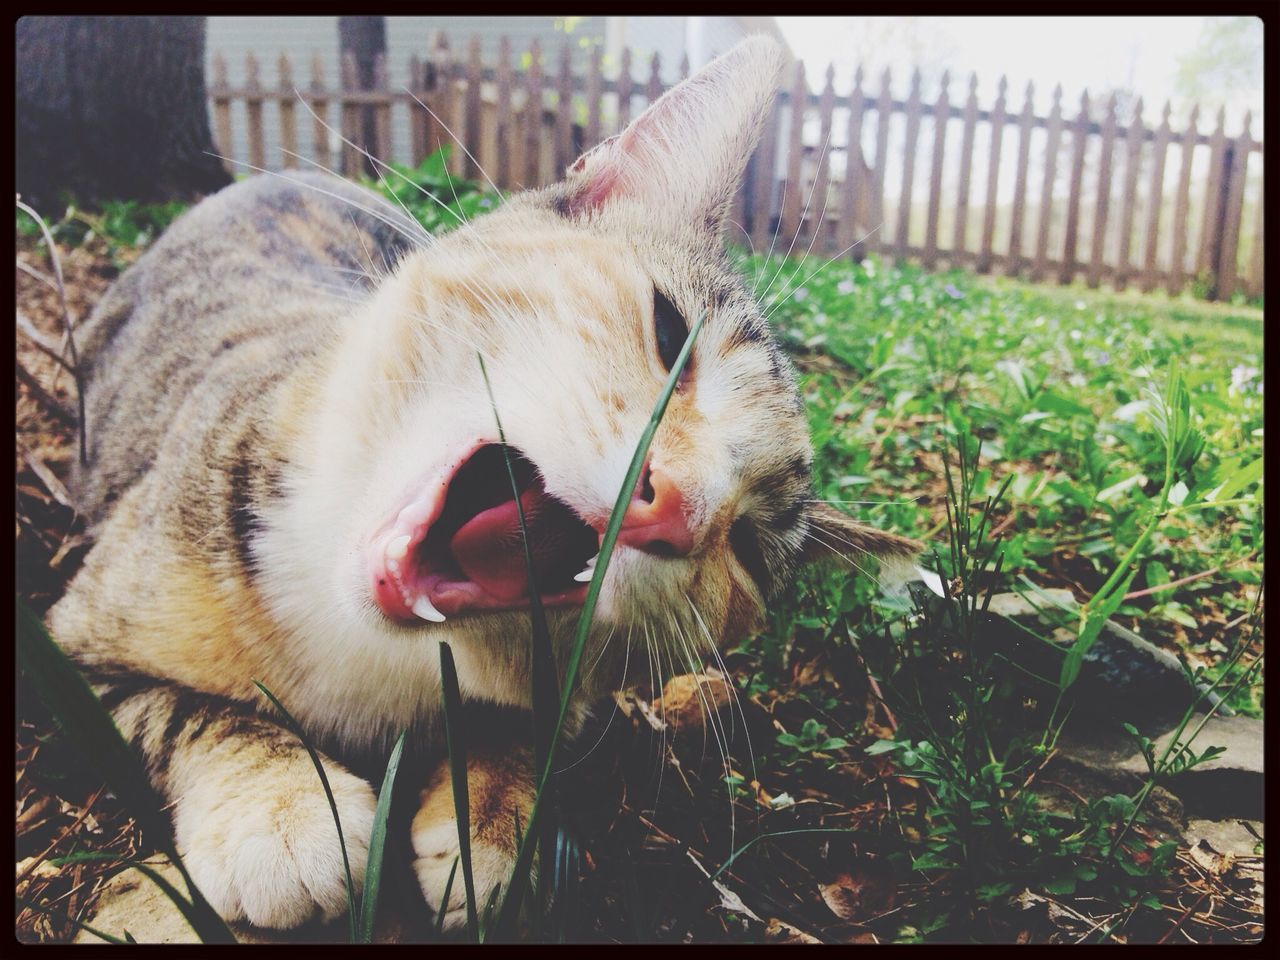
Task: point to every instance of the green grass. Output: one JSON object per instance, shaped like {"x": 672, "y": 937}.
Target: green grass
{"x": 1104, "y": 471}
{"x": 1055, "y": 383}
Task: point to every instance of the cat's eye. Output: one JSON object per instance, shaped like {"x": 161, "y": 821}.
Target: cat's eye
{"x": 745, "y": 543}
{"x": 670, "y": 331}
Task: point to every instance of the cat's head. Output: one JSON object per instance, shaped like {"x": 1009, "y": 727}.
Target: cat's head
{"x": 579, "y": 297}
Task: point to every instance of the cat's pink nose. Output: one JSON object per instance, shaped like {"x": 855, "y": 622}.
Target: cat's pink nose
{"x": 655, "y": 521}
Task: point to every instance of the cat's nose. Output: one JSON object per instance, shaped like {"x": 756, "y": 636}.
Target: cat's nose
{"x": 656, "y": 521}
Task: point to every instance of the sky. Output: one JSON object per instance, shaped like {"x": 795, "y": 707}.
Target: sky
{"x": 1079, "y": 52}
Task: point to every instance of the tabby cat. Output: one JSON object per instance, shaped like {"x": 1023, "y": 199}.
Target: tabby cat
{"x": 294, "y": 476}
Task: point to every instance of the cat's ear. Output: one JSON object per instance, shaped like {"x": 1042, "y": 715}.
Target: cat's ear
{"x": 685, "y": 154}
{"x": 835, "y": 536}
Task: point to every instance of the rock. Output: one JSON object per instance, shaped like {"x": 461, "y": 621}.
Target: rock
{"x": 1239, "y": 838}
{"x": 1229, "y": 785}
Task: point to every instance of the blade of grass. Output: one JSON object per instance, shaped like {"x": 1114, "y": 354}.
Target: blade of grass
{"x": 458, "y": 774}
{"x": 510, "y": 908}
{"x": 89, "y": 727}
{"x": 296, "y": 728}
{"x": 377, "y": 844}
{"x": 448, "y": 889}
{"x": 543, "y": 675}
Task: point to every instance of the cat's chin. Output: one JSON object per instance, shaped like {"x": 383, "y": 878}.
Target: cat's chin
{"x": 455, "y": 545}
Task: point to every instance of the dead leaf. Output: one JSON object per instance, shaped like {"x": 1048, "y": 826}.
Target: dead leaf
{"x": 687, "y": 700}
{"x": 1210, "y": 860}
{"x": 778, "y": 932}
{"x": 862, "y": 891}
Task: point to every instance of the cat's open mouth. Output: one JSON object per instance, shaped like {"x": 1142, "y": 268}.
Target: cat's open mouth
{"x": 457, "y": 547}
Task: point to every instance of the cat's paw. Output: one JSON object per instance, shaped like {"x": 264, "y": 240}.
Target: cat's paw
{"x": 435, "y": 845}
{"x": 264, "y": 849}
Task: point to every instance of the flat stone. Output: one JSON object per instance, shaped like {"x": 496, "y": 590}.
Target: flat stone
{"x": 1240, "y": 838}
{"x": 1228, "y": 786}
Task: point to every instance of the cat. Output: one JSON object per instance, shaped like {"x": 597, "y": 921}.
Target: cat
{"x": 294, "y": 476}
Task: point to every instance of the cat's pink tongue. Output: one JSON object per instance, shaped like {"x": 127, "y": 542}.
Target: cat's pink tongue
{"x": 488, "y": 547}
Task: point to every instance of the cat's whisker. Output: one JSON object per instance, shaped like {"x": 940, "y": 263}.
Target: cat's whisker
{"x": 800, "y": 223}
{"x": 813, "y": 535}
{"x": 903, "y": 501}
{"x": 838, "y": 256}
{"x": 422, "y": 238}
{"x": 817, "y": 227}
{"x": 470, "y": 156}
{"x": 622, "y": 685}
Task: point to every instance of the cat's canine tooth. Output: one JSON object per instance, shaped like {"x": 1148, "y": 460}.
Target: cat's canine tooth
{"x": 589, "y": 571}
{"x": 422, "y": 608}
{"x": 398, "y": 547}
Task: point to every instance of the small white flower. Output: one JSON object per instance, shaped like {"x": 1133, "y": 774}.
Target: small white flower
{"x": 844, "y": 287}
{"x": 802, "y": 293}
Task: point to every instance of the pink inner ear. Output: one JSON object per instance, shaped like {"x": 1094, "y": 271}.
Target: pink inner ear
{"x": 605, "y": 181}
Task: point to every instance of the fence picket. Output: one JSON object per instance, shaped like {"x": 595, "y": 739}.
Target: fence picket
{"x": 883, "y": 109}
{"x": 222, "y": 110}
{"x": 941, "y": 112}
{"x": 853, "y": 165}
{"x": 817, "y": 232}
{"x": 958, "y": 245}
{"x": 320, "y": 109}
{"x": 908, "y": 166}
{"x": 1228, "y": 262}
{"x": 1133, "y": 164}
{"x": 253, "y": 108}
{"x": 565, "y": 153}
{"x": 1210, "y": 225}
{"x": 1070, "y": 241}
{"x": 470, "y": 131}
{"x": 993, "y": 179}
{"x": 1254, "y": 287}
{"x": 531, "y": 118}
{"x": 595, "y": 97}
{"x": 792, "y": 212}
{"x": 1182, "y": 206}
{"x": 381, "y": 114}
{"x": 288, "y": 122}
{"x": 503, "y": 140}
{"x": 764, "y": 166}
{"x": 1102, "y": 203}
{"x": 1053, "y": 144}
{"x": 1015, "y": 262}
{"x": 1155, "y": 194}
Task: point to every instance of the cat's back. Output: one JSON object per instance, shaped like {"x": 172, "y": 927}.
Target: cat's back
{"x": 240, "y": 291}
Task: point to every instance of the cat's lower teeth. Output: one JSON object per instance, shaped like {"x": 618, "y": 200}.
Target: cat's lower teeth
{"x": 589, "y": 571}
{"x": 398, "y": 547}
{"x": 422, "y": 608}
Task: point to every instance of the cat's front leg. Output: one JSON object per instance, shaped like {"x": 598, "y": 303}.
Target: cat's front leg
{"x": 250, "y": 816}
{"x": 501, "y": 795}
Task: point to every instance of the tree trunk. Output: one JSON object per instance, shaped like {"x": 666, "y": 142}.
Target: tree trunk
{"x": 113, "y": 108}
{"x": 364, "y": 38}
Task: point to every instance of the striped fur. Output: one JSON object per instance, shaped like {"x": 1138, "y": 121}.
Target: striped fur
{"x": 292, "y": 356}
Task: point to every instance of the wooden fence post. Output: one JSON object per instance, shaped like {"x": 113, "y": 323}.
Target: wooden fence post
{"x": 471, "y": 120}
{"x": 1102, "y": 203}
{"x": 1232, "y": 212}
{"x": 1182, "y": 204}
{"x": 941, "y": 114}
{"x": 288, "y": 123}
{"x": 792, "y": 212}
{"x": 959, "y": 243}
{"x": 1053, "y": 144}
{"x": 1014, "y": 265}
{"x": 503, "y": 140}
{"x": 908, "y": 166}
{"x": 993, "y": 179}
{"x": 1211, "y": 223}
{"x": 1155, "y": 200}
{"x": 822, "y": 176}
{"x": 1133, "y": 162}
{"x": 1079, "y": 140}
{"x": 222, "y": 110}
{"x": 883, "y": 109}
{"x": 253, "y": 110}
{"x": 533, "y": 118}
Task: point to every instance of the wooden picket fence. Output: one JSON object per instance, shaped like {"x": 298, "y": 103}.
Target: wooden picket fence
{"x": 898, "y": 193}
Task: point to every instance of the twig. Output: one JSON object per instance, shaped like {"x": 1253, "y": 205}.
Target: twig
{"x": 1182, "y": 919}
{"x": 51, "y": 482}
{"x": 41, "y": 342}
{"x": 66, "y": 320}
{"x": 43, "y": 397}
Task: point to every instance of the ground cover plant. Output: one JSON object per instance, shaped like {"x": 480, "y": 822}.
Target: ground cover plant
{"x": 791, "y": 792}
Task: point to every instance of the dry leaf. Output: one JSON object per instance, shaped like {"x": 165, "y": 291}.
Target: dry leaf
{"x": 863, "y": 891}
{"x": 1210, "y": 860}
{"x": 778, "y": 932}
